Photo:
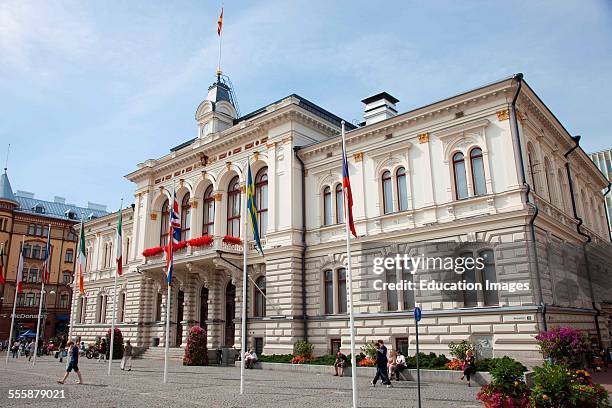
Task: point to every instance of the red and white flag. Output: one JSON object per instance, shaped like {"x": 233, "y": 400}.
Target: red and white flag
{"x": 119, "y": 246}
{"x": 20, "y": 272}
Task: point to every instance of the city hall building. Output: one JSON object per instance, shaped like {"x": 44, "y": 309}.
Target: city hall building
{"x": 490, "y": 172}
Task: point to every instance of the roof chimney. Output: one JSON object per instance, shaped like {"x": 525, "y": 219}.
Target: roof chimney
{"x": 379, "y": 107}
{"x": 59, "y": 200}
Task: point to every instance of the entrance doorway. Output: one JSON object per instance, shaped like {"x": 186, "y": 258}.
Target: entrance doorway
{"x": 179, "y": 317}
{"x": 204, "y": 308}
{"x": 230, "y": 313}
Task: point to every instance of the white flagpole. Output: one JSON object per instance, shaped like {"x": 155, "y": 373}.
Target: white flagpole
{"x": 8, "y": 350}
{"x": 245, "y": 248}
{"x": 42, "y": 293}
{"x": 168, "y": 303}
{"x": 112, "y": 338}
{"x": 350, "y": 285}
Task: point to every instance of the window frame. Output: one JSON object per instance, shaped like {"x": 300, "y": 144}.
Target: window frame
{"x": 401, "y": 180}
{"x": 164, "y": 223}
{"x": 259, "y": 300}
{"x": 473, "y": 157}
{"x": 327, "y": 206}
{"x": 387, "y": 189}
{"x": 261, "y": 190}
{"x": 208, "y": 203}
{"x": 185, "y": 217}
{"x": 456, "y": 161}
{"x": 233, "y": 203}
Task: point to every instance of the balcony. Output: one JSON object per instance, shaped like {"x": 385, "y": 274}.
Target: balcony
{"x": 194, "y": 253}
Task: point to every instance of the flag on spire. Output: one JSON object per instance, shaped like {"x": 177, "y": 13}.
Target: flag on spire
{"x": 82, "y": 260}
{"x": 346, "y": 186}
{"x": 20, "y": 271}
{"x": 174, "y": 234}
{"x": 220, "y": 23}
{"x": 119, "y": 246}
{"x": 47, "y": 257}
{"x": 2, "y": 266}
{"x": 252, "y": 210}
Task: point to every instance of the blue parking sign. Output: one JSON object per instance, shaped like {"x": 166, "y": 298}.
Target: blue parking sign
{"x": 417, "y": 314}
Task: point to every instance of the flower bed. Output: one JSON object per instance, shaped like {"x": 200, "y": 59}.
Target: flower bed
{"x": 228, "y": 239}
{"x": 201, "y": 241}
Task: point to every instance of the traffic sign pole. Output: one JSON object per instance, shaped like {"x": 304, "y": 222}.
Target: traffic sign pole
{"x": 417, "y": 318}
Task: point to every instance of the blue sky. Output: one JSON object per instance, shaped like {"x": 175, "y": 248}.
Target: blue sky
{"x": 90, "y": 89}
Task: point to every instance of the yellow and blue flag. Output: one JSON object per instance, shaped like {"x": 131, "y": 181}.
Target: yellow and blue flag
{"x": 252, "y": 210}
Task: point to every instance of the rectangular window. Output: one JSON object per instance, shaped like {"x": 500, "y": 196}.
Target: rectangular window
{"x": 408, "y": 295}
{"x": 342, "y": 291}
{"x": 29, "y": 299}
{"x": 391, "y": 294}
{"x": 401, "y": 345}
{"x": 335, "y": 345}
{"x": 259, "y": 345}
{"x": 64, "y": 301}
{"x": 328, "y": 283}
{"x": 31, "y": 229}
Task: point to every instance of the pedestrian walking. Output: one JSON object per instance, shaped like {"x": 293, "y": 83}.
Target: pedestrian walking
{"x": 73, "y": 363}
{"x": 102, "y": 350}
{"x": 381, "y": 364}
{"x": 127, "y": 356}
{"x": 62, "y": 349}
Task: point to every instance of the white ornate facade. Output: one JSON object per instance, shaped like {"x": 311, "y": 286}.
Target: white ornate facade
{"x": 446, "y": 172}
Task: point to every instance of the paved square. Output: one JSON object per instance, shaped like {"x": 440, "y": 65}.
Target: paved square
{"x": 211, "y": 387}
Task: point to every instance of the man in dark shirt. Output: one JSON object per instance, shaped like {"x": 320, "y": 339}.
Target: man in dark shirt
{"x": 73, "y": 363}
{"x": 381, "y": 364}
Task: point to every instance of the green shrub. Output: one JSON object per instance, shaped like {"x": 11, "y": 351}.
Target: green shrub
{"x": 276, "y": 358}
{"x": 323, "y": 360}
{"x": 303, "y": 348}
{"x": 369, "y": 350}
{"x": 459, "y": 350}
{"x": 429, "y": 361}
{"x": 506, "y": 370}
{"x": 196, "y": 351}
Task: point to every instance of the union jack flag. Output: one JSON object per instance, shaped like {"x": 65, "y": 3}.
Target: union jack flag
{"x": 174, "y": 234}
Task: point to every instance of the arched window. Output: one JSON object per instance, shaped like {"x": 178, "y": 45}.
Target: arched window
{"x": 233, "y": 208}
{"x": 261, "y": 200}
{"x": 459, "y": 173}
{"x": 478, "y": 176}
{"x": 260, "y": 300}
{"x": 387, "y": 192}
{"x": 208, "y": 209}
{"x": 164, "y": 220}
{"x": 328, "y": 290}
{"x": 391, "y": 277}
{"x": 101, "y": 309}
{"x": 36, "y": 252}
{"x": 342, "y": 290}
{"x": 532, "y": 172}
{"x": 158, "y": 307}
{"x": 185, "y": 218}
{"x": 550, "y": 179}
{"x": 327, "y": 206}
{"x": 561, "y": 184}
{"x": 122, "y": 307}
{"x": 490, "y": 297}
{"x": 402, "y": 189}
{"x": 339, "y": 204}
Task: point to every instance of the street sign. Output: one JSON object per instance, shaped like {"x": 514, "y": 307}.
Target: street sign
{"x": 417, "y": 314}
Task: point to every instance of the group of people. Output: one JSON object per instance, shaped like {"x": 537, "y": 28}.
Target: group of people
{"x": 250, "y": 358}
{"x": 26, "y": 348}
{"x": 390, "y": 366}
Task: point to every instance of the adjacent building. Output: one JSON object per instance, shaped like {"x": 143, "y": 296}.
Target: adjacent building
{"x": 603, "y": 161}
{"x": 26, "y": 221}
{"x": 472, "y": 173}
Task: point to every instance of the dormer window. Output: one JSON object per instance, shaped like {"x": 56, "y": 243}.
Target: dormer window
{"x": 39, "y": 209}
{"x": 71, "y": 214}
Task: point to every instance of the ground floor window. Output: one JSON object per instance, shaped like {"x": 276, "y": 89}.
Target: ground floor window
{"x": 401, "y": 345}
{"x": 335, "y": 345}
{"x": 258, "y": 345}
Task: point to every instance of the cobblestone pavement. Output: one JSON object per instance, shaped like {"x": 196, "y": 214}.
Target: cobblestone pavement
{"x": 210, "y": 387}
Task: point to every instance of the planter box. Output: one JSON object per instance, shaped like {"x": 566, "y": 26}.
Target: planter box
{"x": 434, "y": 376}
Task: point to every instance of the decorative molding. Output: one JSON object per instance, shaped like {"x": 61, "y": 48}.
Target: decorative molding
{"x": 256, "y": 155}
{"x": 271, "y": 145}
{"x": 287, "y": 139}
{"x": 218, "y": 196}
{"x": 423, "y": 138}
{"x": 358, "y": 157}
{"x": 502, "y": 115}
{"x": 194, "y": 203}
{"x": 153, "y": 216}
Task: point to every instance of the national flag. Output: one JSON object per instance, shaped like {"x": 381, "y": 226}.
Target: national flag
{"x": 119, "y": 246}
{"x": 220, "y": 23}
{"x": 2, "y": 266}
{"x": 19, "y": 280}
{"x": 82, "y": 260}
{"x": 346, "y": 186}
{"x": 252, "y": 210}
{"x": 47, "y": 259}
{"x": 174, "y": 234}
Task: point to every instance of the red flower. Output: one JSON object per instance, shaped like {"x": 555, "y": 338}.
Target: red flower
{"x": 179, "y": 245}
{"x": 228, "y": 239}
{"x": 152, "y": 251}
{"x": 201, "y": 241}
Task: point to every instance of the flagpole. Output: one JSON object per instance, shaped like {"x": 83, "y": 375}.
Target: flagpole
{"x": 42, "y": 293}
{"x": 245, "y": 247}
{"x": 168, "y": 303}
{"x": 220, "y": 38}
{"x": 8, "y": 350}
{"x": 112, "y": 336}
{"x": 350, "y": 285}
